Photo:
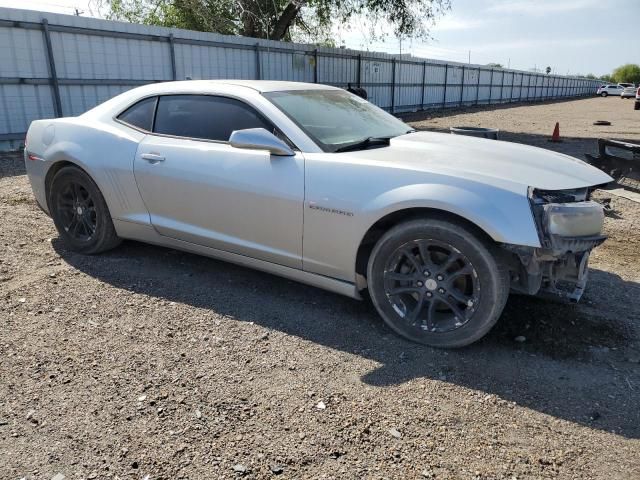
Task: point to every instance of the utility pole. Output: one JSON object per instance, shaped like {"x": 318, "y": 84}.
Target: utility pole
{"x": 469, "y": 57}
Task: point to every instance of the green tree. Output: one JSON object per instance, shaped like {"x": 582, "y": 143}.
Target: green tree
{"x": 629, "y": 73}
{"x": 590, "y": 76}
{"x": 310, "y": 20}
{"x": 606, "y": 78}
{"x": 548, "y": 70}
{"x": 495, "y": 65}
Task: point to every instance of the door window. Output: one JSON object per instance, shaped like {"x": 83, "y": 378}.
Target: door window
{"x": 205, "y": 117}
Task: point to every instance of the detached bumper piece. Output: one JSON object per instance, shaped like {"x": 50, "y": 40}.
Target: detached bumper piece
{"x": 621, "y": 160}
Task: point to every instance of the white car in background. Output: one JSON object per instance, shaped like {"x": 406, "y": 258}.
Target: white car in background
{"x": 606, "y": 90}
{"x": 629, "y": 92}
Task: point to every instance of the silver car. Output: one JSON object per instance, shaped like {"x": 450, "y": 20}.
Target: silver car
{"x": 315, "y": 184}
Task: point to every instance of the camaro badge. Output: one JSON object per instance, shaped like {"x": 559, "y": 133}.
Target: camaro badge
{"x": 315, "y": 206}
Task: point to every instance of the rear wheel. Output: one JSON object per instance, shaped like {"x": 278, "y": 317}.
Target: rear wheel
{"x": 80, "y": 213}
{"x": 435, "y": 282}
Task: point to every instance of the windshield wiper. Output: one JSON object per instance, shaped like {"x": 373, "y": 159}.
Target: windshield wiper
{"x": 365, "y": 143}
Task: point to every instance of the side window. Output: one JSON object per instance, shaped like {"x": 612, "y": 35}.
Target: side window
{"x": 205, "y": 117}
{"x": 140, "y": 114}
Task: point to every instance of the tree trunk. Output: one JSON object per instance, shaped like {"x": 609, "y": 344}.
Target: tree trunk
{"x": 285, "y": 19}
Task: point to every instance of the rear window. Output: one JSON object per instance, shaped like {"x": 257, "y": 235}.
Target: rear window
{"x": 140, "y": 114}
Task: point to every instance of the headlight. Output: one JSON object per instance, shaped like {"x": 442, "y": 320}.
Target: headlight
{"x": 579, "y": 219}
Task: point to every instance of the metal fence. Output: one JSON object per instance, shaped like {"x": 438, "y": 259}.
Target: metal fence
{"x": 55, "y": 65}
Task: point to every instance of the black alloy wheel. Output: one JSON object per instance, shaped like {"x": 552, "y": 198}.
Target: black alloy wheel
{"x": 80, "y": 212}
{"x": 432, "y": 285}
{"x": 439, "y": 282}
{"x": 77, "y": 211}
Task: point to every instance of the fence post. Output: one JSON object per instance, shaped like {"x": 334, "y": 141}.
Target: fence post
{"x": 172, "y": 54}
{"x": 501, "y": 85}
{"x": 315, "y": 66}
{"x": 359, "y": 70}
{"x": 393, "y": 85}
{"x": 444, "y": 93}
{"x": 256, "y": 48}
{"x": 424, "y": 81}
{"x": 53, "y": 80}
{"x": 478, "y": 86}
{"x": 521, "y": 84}
{"x": 490, "y": 87}
{"x": 462, "y": 86}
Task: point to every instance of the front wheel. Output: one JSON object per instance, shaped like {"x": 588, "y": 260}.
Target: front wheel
{"x": 435, "y": 282}
{"x": 604, "y": 94}
{"x": 80, "y": 213}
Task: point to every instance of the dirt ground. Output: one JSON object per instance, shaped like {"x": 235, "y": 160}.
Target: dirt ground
{"x": 147, "y": 363}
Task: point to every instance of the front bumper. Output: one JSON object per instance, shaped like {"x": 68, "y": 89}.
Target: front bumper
{"x": 559, "y": 271}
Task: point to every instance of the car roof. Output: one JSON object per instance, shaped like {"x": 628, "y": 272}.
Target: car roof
{"x": 275, "y": 85}
{"x": 121, "y": 101}
{"x": 257, "y": 85}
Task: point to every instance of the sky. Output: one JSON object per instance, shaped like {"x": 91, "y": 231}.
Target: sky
{"x": 571, "y": 36}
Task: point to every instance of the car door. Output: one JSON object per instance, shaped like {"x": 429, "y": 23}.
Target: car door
{"x": 200, "y": 189}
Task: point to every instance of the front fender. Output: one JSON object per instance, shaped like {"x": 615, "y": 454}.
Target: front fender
{"x": 504, "y": 215}
{"x": 332, "y": 238}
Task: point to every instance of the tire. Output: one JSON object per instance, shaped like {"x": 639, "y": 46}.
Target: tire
{"x": 604, "y": 94}
{"x": 476, "y": 278}
{"x": 636, "y": 105}
{"x": 80, "y": 213}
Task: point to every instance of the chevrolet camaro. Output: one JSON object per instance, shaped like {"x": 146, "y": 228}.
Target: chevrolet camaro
{"x": 313, "y": 183}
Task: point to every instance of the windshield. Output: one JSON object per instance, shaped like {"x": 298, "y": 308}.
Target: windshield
{"x": 335, "y": 119}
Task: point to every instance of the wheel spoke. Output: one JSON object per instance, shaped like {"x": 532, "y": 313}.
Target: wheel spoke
{"x": 411, "y": 257}
{"x": 466, "y": 270}
{"x": 425, "y": 255}
{"x": 413, "y": 315}
{"x": 453, "y": 258}
{"x": 87, "y": 226}
{"x": 458, "y": 295}
{"x": 454, "y": 308}
{"x": 431, "y": 313}
{"x": 76, "y": 191}
{"x": 73, "y": 226}
{"x": 400, "y": 277}
{"x": 401, "y": 290}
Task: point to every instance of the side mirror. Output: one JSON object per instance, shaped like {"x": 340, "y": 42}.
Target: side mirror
{"x": 260, "y": 139}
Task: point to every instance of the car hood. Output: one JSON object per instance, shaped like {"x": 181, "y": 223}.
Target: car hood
{"x": 505, "y": 164}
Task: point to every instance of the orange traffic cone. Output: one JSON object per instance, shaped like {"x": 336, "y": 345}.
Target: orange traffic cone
{"x": 555, "y": 137}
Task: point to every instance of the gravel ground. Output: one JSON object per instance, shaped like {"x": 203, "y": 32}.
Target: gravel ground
{"x": 150, "y": 363}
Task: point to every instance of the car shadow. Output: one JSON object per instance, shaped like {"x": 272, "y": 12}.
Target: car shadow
{"x": 572, "y": 363}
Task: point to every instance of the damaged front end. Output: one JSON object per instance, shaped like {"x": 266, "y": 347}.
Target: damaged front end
{"x": 569, "y": 226}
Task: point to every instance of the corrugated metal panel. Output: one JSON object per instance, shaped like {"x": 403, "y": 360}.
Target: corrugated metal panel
{"x": 97, "y": 59}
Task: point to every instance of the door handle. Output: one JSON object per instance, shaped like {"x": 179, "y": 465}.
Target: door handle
{"x": 152, "y": 157}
